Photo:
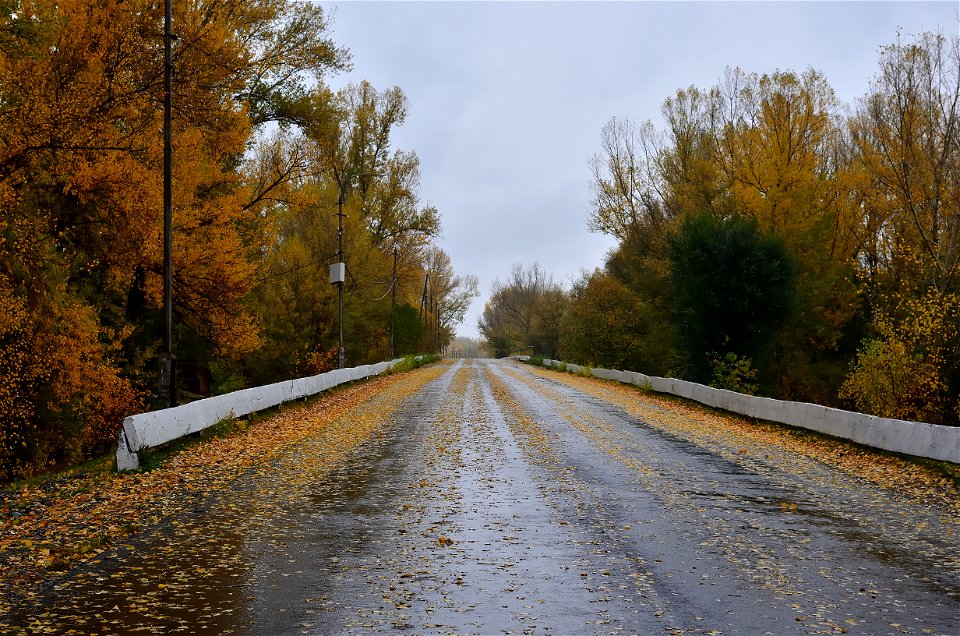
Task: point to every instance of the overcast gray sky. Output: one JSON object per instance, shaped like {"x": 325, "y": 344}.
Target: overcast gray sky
{"x": 507, "y": 99}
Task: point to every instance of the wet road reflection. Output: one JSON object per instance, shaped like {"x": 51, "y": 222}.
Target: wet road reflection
{"x": 489, "y": 498}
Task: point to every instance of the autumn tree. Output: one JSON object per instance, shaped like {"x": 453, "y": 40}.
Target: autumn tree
{"x": 780, "y": 152}
{"x": 525, "y": 311}
{"x": 342, "y": 152}
{"x": 764, "y": 147}
{"x": 734, "y": 288}
{"x": 446, "y": 299}
{"x": 80, "y": 259}
{"x": 628, "y": 181}
{"x": 906, "y": 136}
{"x": 608, "y": 325}
{"x": 644, "y": 180}
{"x": 904, "y": 371}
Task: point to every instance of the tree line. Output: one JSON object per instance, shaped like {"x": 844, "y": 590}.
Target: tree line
{"x": 772, "y": 239}
{"x": 263, "y": 150}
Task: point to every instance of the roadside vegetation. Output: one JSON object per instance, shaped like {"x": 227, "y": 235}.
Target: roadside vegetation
{"x": 264, "y": 151}
{"x": 51, "y": 522}
{"x": 776, "y": 241}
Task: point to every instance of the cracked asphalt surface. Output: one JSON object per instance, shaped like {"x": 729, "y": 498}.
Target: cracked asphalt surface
{"x": 495, "y": 498}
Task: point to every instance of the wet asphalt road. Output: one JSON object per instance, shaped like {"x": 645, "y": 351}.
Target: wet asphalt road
{"x": 496, "y": 499}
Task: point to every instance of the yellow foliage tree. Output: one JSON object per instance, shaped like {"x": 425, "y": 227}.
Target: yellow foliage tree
{"x": 902, "y": 372}
{"x": 80, "y": 189}
{"x": 906, "y": 134}
{"x": 779, "y": 153}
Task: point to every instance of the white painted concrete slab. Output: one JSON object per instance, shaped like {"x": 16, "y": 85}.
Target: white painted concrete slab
{"x": 919, "y": 439}
{"x": 148, "y": 430}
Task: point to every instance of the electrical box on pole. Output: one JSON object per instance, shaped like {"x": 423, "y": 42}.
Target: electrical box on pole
{"x": 338, "y": 273}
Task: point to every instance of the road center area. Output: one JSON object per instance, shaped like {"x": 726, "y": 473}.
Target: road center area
{"x": 487, "y": 497}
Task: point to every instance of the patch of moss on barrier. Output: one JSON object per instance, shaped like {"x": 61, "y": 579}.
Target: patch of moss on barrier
{"x": 226, "y": 426}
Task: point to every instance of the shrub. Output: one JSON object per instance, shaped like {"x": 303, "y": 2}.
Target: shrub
{"x": 733, "y": 373}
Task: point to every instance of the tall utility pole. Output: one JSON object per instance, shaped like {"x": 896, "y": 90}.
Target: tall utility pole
{"x": 423, "y": 297}
{"x": 436, "y": 309}
{"x": 340, "y": 275}
{"x": 393, "y": 306}
{"x": 338, "y": 271}
{"x": 168, "y": 370}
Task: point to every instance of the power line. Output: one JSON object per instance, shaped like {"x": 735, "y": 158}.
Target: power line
{"x": 298, "y": 268}
{"x": 384, "y": 295}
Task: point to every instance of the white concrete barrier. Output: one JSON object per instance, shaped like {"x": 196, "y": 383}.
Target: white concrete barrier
{"x": 147, "y": 430}
{"x": 919, "y": 439}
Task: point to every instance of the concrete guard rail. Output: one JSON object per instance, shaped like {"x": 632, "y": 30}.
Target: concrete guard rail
{"x": 931, "y": 441}
{"x": 148, "y": 430}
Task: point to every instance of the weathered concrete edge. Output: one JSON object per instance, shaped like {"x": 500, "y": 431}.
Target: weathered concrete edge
{"x": 147, "y": 430}
{"x": 920, "y": 439}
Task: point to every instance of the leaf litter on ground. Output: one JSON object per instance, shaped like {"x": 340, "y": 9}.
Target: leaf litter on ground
{"x": 50, "y": 524}
{"x": 922, "y": 480}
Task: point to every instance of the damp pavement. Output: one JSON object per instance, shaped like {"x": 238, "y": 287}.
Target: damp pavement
{"x": 500, "y": 500}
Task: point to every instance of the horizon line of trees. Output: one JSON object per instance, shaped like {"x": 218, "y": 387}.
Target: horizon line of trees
{"x": 263, "y": 150}
{"x": 774, "y": 240}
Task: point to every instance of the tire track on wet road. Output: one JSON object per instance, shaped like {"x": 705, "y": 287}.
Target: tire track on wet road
{"x": 475, "y": 544}
{"x": 768, "y": 535}
{"x": 484, "y": 497}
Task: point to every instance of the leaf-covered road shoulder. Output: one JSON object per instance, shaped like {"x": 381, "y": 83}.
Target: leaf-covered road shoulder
{"x": 48, "y": 527}
{"x": 934, "y": 483}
